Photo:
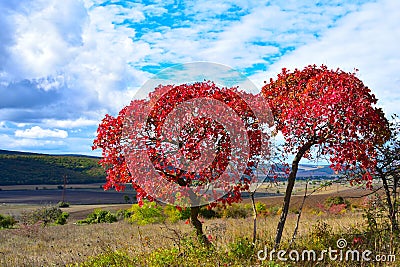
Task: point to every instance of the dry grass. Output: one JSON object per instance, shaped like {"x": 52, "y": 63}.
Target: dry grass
{"x": 62, "y": 245}
{"x": 68, "y": 244}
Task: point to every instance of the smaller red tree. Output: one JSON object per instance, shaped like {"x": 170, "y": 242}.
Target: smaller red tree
{"x": 325, "y": 113}
{"x": 188, "y": 145}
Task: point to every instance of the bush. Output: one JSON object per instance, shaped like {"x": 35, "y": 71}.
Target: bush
{"x": 334, "y": 205}
{"x": 338, "y": 200}
{"x": 114, "y": 258}
{"x": 322, "y": 236}
{"x": 173, "y": 214}
{"x": 46, "y": 215}
{"x": 242, "y": 248}
{"x": 260, "y": 207}
{"x": 62, "y": 219}
{"x": 207, "y": 213}
{"x": 63, "y": 204}
{"x": 150, "y": 212}
{"x": 6, "y": 221}
{"x": 123, "y": 214}
{"x": 99, "y": 216}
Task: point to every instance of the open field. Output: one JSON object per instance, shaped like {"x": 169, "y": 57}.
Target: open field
{"x": 74, "y": 194}
{"x": 94, "y": 193}
{"x": 36, "y": 245}
{"x": 61, "y": 245}
{"x": 84, "y": 200}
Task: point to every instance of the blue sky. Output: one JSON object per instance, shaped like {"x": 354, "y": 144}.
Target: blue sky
{"x": 65, "y": 64}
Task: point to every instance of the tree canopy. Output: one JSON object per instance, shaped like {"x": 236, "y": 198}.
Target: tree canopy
{"x": 325, "y": 113}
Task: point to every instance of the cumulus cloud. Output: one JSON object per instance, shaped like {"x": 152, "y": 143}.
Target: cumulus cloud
{"x": 365, "y": 39}
{"x": 64, "y": 64}
{"x": 38, "y": 132}
{"x": 241, "y": 34}
{"x": 46, "y": 35}
{"x": 32, "y": 145}
{"x": 80, "y": 122}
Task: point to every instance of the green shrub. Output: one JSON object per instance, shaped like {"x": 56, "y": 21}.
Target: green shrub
{"x": 113, "y": 258}
{"x": 150, "y": 212}
{"x": 99, "y": 216}
{"x": 322, "y": 236}
{"x": 189, "y": 252}
{"x": 63, "y": 204}
{"x": 163, "y": 257}
{"x": 46, "y": 215}
{"x": 173, "y": 214}
{"x": 207, "y": 213}
{"x": 62, "y": 219}
{"x": 260, "y": 207}
{"x": 6, "y": 221}
{"x": 123, "y": 214}
{"x": 274, "y": 210}
{"x": 242, "y": 248}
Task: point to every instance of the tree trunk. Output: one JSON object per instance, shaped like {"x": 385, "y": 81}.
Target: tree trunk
{"x": 390, "y": 204}
{"x": 194, "y": 213}
{"x": 289, "y": 190}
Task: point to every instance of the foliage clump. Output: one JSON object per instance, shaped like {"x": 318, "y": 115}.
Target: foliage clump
{"x": 99, "y": 216}
{"x": 63, "y": 204}
{"x": 45, "y": 215}
{"x": 150, "y": 212}
{"x": 334, "y": 205}
{"x": 7, "y": 221}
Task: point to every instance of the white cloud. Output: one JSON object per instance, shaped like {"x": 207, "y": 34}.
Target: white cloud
{"x": 240, "y": 34}
{"x": 28, "y": 144}
{"x": 70, "y": 62}
{"x": 80, "y": 122}
{"x": 74, "y": 50}
{"x": 366, "y": 40}
{"x": 47, "y": 36}
{"x": 38, "y": 132}
{"x": 21, "y": 125}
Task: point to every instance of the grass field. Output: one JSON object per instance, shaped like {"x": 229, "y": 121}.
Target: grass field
{"x": 68, "y": 244}
{"x": 172, "y": 244}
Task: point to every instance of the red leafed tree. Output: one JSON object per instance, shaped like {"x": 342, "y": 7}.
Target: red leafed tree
{"x": 189, "y": 145}
{"x": 325, "y": 113}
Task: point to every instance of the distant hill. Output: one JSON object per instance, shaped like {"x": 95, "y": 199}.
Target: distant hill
{"x": 304, "y": 172}
{"x": 308, "y": 171}
{"x": 21, "y": 168}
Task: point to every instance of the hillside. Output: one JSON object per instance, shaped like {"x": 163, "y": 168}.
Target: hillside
{"x": 309, "y": 171}
{"x": 21, "y": 168}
